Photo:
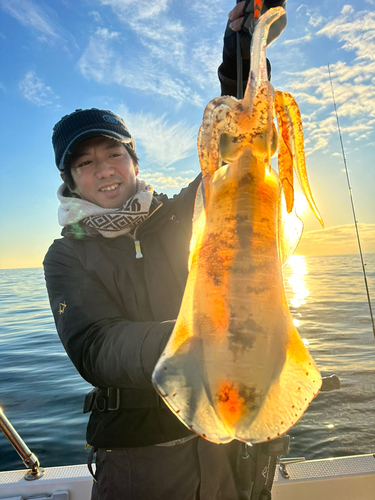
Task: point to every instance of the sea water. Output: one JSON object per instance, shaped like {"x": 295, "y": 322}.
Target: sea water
{"x": 42, "y": 394}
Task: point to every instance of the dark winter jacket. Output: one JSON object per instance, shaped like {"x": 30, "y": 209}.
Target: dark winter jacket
{"x": 114, "y": 314}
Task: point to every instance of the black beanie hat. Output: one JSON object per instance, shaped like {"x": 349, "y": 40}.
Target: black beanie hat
{"x": 83, "y": 124}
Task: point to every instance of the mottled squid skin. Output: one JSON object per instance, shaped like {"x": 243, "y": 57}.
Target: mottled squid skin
{"x": 235, "y": 366}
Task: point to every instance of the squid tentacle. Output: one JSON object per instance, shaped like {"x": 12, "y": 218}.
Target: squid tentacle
{"x": 292, "y": 133}
{"x": 208, "y": 138}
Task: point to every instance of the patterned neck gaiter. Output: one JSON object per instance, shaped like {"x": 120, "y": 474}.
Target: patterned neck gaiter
{"x": 110, "y": 222}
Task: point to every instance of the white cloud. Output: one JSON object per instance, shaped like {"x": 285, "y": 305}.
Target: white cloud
{"x": 96, "y": 16}
{"x": 35, "y": 90}
{"x": 295, "y": 41}
{"x": 169, "y": 57}
{"x": 337, "y": 240}
{"x": 160, "y": 181}
{"x": 30, "y": 15}
{"x": 356, "y": 30}
{"x": 355, "y": 102}
{"x": 347, "y": 9}
{"x": 305, "y": 28}
{"x": 104, "y": 64}
{"x": 209, "y": 12}
{"x": 162, "y": 36}
{"x": 105, "y": 34}
{"x": 164, "y": 143}
{"x": 353, "y": 83}
{"x": 301, "y": 7}
{"x": 315, "y": 20}
{"x": 204, "y": 60}
{"x": 98, "y": 57}
{"x": 138, "y": 9}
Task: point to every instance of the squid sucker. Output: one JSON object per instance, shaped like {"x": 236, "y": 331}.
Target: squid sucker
{"x": 235, "y": 366}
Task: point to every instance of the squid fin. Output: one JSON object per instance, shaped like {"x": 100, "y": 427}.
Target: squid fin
{"x": 288, "y": 397}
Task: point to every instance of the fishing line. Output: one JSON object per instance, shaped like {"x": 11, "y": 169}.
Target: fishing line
{"x": 352, "y": 203}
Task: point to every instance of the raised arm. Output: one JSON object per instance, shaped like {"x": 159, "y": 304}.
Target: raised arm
{"x": 241, "y": 20}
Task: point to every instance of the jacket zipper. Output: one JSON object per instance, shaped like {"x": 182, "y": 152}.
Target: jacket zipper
{"x": 138, "y": 253}
{"x": 137, "y": 243}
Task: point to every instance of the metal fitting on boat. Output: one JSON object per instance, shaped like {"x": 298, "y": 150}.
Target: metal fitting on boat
{"x": 30, "y": 460}
{"x": 285, "y": 461}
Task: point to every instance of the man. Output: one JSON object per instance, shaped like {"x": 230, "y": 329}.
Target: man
{"x": 115, "y": 282}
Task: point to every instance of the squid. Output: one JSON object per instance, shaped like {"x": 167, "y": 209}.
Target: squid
{"x": 235, "y": 366}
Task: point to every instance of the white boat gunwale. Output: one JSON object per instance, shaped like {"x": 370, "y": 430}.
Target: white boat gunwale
{"x": 342, "y": 478}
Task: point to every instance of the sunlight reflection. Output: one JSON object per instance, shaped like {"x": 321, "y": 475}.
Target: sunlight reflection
{"x": 296, "y": 281}
{"x": 300, "y": 203}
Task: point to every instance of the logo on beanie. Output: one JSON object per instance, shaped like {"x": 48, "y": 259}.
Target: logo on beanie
{"x": 110, "y": 119}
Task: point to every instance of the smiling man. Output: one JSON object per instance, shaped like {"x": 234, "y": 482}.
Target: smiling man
{"x": 121, "y": 269}
{"x": 103, "y": 172}
{"x": 115, "y": 282}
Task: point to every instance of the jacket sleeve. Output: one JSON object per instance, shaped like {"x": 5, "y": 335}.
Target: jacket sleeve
{"x": 107, "y": 349}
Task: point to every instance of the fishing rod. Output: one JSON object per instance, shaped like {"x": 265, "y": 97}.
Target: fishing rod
{"x": 352, "y": 203}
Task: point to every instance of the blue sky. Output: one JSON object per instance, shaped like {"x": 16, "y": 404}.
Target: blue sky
{"x": 155, "y": 64}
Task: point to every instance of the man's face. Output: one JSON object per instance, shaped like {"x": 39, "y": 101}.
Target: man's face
{"x": 103, "y": 172}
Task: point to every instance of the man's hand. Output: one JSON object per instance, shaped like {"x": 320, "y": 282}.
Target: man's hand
{"x": 242, "y": 16}
{"x": 236, "y": 16}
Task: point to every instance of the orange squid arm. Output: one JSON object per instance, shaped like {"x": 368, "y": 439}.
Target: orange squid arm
{"x": 285, "y": 158}
{"x": 292, "y": 133}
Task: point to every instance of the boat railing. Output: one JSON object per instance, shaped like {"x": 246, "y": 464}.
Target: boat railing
{"x": 29, "y": 459}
